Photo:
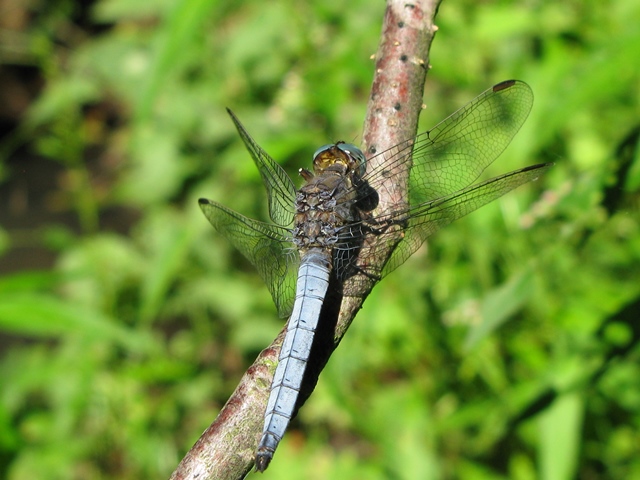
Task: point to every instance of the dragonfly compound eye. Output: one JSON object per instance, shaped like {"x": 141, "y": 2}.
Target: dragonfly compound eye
{"x": 356, "y": 154}
{"x": 323, "y": 148}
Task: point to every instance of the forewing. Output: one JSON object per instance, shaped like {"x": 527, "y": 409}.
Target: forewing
{"x": 268, "y": 247}
{"x": 281, "y": 190}
{"x": 425, "y": 219}
{"x": 453, "y": 154}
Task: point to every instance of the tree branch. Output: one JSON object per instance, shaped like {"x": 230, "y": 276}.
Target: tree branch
{"x": 392, "y": 117}
{"x": 226, "y": 449}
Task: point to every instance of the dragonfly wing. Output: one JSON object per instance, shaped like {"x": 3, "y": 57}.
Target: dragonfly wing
{"x": 454, "y": 153}
{"x": 268, "y": 247}
{"x": 427, "y": 218}
{"x": 280, "y": 188}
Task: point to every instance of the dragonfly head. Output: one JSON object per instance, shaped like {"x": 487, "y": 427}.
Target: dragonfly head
{"x": 339, "y": 153}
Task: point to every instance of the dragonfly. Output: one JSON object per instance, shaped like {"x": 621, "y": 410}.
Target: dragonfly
{"x": 317, "y": 232}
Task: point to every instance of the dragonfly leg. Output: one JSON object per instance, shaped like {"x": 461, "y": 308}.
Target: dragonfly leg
{"x": 380, "y": 227}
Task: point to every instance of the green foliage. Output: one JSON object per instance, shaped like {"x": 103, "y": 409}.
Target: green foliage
{"x": 506, "y": 348}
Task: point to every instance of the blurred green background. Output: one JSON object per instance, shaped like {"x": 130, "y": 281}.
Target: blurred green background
{"x": 506, "y": 349}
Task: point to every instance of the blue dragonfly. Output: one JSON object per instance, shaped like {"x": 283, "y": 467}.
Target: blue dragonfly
{"x": 319, "y": 230}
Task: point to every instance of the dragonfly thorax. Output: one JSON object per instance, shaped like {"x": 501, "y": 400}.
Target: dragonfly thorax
{"x": 323, "y": 206}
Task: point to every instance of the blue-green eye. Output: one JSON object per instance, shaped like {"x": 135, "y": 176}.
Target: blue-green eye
{"x": 322, "y": 149}
{"x": 355, "y": 153}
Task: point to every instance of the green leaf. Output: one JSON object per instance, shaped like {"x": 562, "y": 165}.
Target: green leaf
{"x": 183, "y": 24}
{"x": 43, "y": 315}
{"x": 560, "y": 437}
{"x": 171, "y": 247}
{"x": 499, "y": 305}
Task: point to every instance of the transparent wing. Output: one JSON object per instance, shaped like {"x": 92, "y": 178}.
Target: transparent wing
{"x": 281, "y": 190}
{"x": 268, "y": 247}
{"x": 453, "y": 154}
{"x": 427, "y": 218}
{"x": 446, "y": 161}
